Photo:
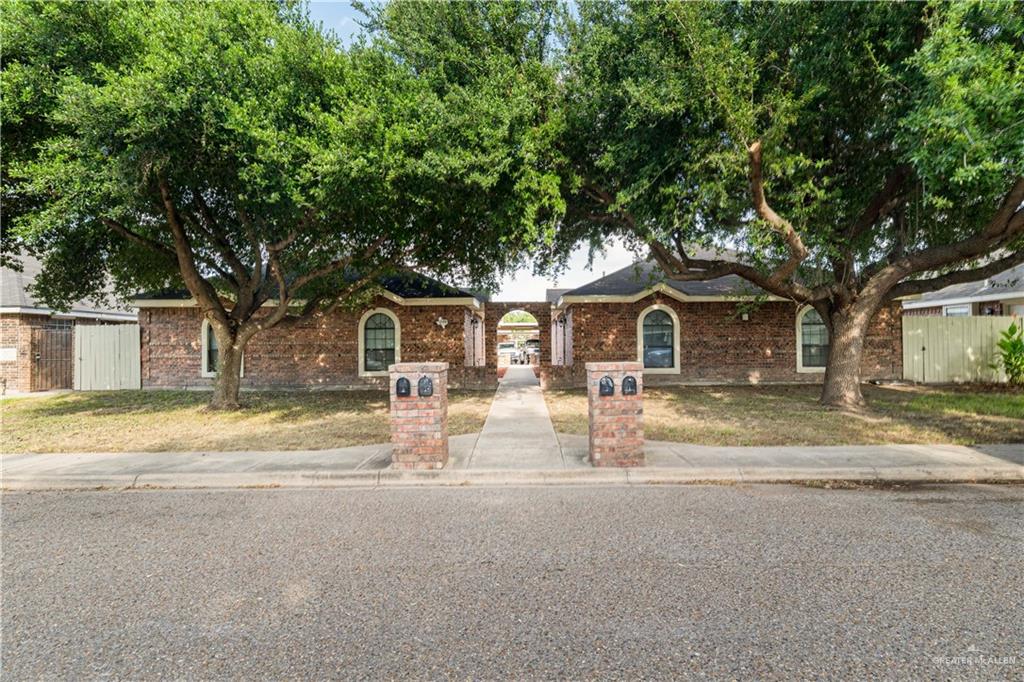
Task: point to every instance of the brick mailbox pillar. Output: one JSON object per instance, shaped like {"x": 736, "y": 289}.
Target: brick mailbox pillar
{"x": 419, "y": 415}
{"x": 615, "y": 399}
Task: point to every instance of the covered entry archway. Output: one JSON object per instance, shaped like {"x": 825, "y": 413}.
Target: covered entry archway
{"x": 540, "y": 310}
{"x": 518, "y": 339}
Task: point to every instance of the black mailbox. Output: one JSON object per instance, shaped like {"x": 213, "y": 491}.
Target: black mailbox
{"x": 606, "y": 386}
{"x": 425, "y": 387}
{"x": 629, "y": 386}
{"x": 403, "y": 388}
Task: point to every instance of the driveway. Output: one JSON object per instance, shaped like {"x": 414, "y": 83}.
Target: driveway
{"x": 731, "y": 582}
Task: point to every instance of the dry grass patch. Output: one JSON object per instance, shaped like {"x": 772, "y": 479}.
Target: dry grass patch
{"x": 790, "y": 415}
{"x": 153, "y": 421}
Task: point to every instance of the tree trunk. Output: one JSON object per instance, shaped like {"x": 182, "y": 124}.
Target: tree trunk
{"x": 847, "y": 330}
{"x": 229, "y": 369}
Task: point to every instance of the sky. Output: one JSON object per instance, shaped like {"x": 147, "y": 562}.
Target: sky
{"x": 522, "y": 285}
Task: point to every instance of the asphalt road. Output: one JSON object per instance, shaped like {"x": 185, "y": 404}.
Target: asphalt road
{"x": 722, "y": 582}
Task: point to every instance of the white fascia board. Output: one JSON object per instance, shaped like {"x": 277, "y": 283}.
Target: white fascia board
{"x": 191, "y": 302}
{"x": 77, "y": 314}
{"x": 663, "y": 289}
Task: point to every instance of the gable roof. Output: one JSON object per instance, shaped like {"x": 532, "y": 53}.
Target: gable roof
{"x": 1007, "y": 284}
{"x": 15, "y": 296}
{"x": 644, "y": 277}
{"x": 552, "y": 295}
{"x": 404, "y": 285}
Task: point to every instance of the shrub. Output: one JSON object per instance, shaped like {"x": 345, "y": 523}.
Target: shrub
{"x": 1010, "y": 353}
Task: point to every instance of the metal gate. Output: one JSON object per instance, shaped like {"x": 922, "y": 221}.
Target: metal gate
{"x": 52, "y": 358}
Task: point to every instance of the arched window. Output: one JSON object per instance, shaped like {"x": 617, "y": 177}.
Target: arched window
{"x": 658, "y": 339}
{"x": 811, "y": 341}
{"x": 379, "y": 342}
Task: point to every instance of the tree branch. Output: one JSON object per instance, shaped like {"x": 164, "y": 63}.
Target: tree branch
{"x": 338, "y": 264}
{"x": 684, "y": 269}
{"x": 242, "y": 274}
{"x": 884, "y": 201}
{"x": 137, "y": 238}
{"x": 196, "y": 283}
{"x": 798, "y": 252}
{"x": 922, "y": 286}
{"x": 1006, "y": 225}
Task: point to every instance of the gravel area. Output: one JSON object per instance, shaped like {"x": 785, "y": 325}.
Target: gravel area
{"x": 734, "y": 582}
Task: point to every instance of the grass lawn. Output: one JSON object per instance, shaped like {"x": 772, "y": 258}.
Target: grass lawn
{"x": 790, "y": 415}
{"x": 123, "y": 421}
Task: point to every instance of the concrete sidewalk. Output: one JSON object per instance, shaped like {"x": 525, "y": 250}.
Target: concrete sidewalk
{"x": 368, "y": 466}
{"x": 518, "y": 433}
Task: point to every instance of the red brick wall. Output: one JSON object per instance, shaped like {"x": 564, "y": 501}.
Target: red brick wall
{"x": 320, "y": 353}
{"x": 616, "y": 433}
{"x": 541, "y": 311}
{"x": 14, "y": 333}
{"x": 716, "y": 346}
{"x": 419, "y": 423}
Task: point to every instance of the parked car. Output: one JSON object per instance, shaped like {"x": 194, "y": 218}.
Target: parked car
{"x": 508, "y": 351}
{"x": 658, "y": 357}
{"x": 533, "y": 351}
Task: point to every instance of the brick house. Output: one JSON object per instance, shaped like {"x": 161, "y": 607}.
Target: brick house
{"x": 37, "y": 343}
{"x": 414, "y": 319}
{"x": 719, "y": 331}
{"x": 724, "y": 330}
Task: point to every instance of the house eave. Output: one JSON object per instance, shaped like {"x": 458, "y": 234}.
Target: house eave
{"x": 74, "y": 314}
{"x": 400, "y": 300}
{"x": 980, "y": 298}
{"x": 660, "y": 288}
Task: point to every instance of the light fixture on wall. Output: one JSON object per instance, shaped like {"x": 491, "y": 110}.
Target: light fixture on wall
{"x": 745, "y": 316}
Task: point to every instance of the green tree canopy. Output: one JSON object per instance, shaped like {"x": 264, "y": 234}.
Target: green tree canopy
{"x": 850, "y": 152}
{"x": 234, "y": 149}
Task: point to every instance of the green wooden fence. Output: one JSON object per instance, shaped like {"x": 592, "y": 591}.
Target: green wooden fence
{"x": 940, "y": 350}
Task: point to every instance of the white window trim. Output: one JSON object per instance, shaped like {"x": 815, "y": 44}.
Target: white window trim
{"x": 800, "y": 344}
{"x": 965, "y": 306}
{"x": 362, "y": 341}
{"x": 204, "y": 331}
{"x": 674, "y": 369}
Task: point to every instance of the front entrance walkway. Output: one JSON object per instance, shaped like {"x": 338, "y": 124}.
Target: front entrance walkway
{"x": 518, "y": 433}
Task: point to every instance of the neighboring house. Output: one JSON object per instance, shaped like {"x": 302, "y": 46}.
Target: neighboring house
{"x": 37, "y": 343}
{"x": 1002, "y": 294}
{"x": 719, "y": 331}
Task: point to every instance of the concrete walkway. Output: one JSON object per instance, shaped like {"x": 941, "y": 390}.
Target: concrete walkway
{"x": 518, "y": 433}
{"x": 368, "y": 466}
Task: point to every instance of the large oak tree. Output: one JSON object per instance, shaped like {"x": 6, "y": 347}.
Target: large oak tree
{"x": 853, "y": 153}
{"x": 235, "y": 149}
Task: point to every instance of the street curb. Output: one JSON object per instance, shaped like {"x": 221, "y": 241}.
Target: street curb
{"x": 389, "y": 478}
